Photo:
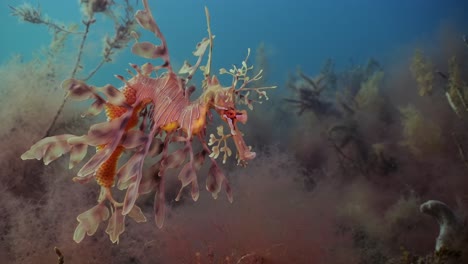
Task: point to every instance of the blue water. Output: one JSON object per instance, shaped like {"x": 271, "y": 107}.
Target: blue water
{"x": 296, "y": 33}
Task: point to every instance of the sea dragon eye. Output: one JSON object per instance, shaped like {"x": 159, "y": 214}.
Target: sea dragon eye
{"x": 231, "y": 113}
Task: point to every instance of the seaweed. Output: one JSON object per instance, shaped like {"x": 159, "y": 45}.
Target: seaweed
{"x": 339, "y": 100}
{"x": 368, "y": 97}
{"x": 60, "y": 257}
{"x": 123, "y": 28}
{"x": 443, "y": 256}
{"x": 423, "y": 71}
{"x": 27, "y": 13}
{"x": 308, "y": 91}
{"x": 456, "y": 91}
{"x": 421, "y": 136}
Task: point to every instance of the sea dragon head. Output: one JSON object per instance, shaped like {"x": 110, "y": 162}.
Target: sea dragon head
{"x": 223, "y": 101}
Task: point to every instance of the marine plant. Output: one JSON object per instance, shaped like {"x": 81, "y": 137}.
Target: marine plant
{"x": 423, "y": 71}
{"x": 368, "y": 96}
{"x": 437, "y": 257}
{"x": 339, "y": 101}
{"x": 455, "y": 89}
{"x": 421, "y": 136}
{"x": 145, "y": 117}
{"x": 453, "y": 86}
{"x": 123, "y": 26}
{"x": 309, "y": 95}
{"x": 28, "y": 13}
{"x": 333, "y": 94}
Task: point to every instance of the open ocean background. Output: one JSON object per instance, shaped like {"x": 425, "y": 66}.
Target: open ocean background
{"x": 300, "y": 32}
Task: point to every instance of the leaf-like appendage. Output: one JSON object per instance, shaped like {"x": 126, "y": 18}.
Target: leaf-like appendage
{"x": 83, "y": 180}
{"x": 201, "y": 47}
{"x": 186, "y": 68}
{"x": 133, "y": 139}
{"x": 137, "y": 215}
{"x": 156, "y": 147}
{"x": 116, "y": 225}
{"x": 199, "y": 159}
{"x": 77, "y": 154}
{"x": 199, "y": 52}
{"x": 159, "y": 206}
{"x": 131, "y": 196}
{"x": 105, "y": 132}
{"x": 148, "y": 182}
{"x": 144, "y": 18}
{"x": 89, "y": 221}
{"x": 49, "y": 149}
{"x": 109, "y": 133}
{"x": 175, "y": 159}
{"x": 148, "y": 50}
{"x": 114, "y": 96}
{"x": 214, "y": 180}
{"x": 186, "y": 176}
{"x": 78, "y": 90}
{"x": 132, "y": 180}
{"x": 95, "y": 108}
{"x": 127, "y": 173}
{"x": 195, "y": 190}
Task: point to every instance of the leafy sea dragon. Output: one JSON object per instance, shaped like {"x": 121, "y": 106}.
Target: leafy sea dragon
{"x": 144, "y": 117}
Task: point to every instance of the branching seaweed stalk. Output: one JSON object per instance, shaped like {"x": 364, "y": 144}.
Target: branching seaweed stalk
{"x": 118, "y": 41}
{"x": 77, "y": 65}
{"x": 33, "y": 15}
{"x": 87, "y": 24}
{"x": 122, "y": 37}
{"x": 60, "y": 257}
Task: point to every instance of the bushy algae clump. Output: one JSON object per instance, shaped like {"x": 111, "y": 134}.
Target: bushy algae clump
{"x": 145, "y": 117}
{"x": 423, "y": 71}
{"x": 123, "y": 27}
{"x": 456, "y": 91}
{"x": 421, "y": 136}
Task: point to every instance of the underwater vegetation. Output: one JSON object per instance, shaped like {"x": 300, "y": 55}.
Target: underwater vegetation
{"x": 353, "y": 163}
{"x": 123, "y": 28}
{"x": 381, "y": 135}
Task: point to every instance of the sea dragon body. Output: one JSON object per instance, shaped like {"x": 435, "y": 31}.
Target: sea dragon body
{"x": 145, "y": 116}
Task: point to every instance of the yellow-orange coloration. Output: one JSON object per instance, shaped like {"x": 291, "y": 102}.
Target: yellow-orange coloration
{"x": 113, "y": 111}
{"x": 170, "y": 127}
{"x": 106, "y": 173}
{"x": 199, "y": 123}
{"x": 130, "y": 95}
